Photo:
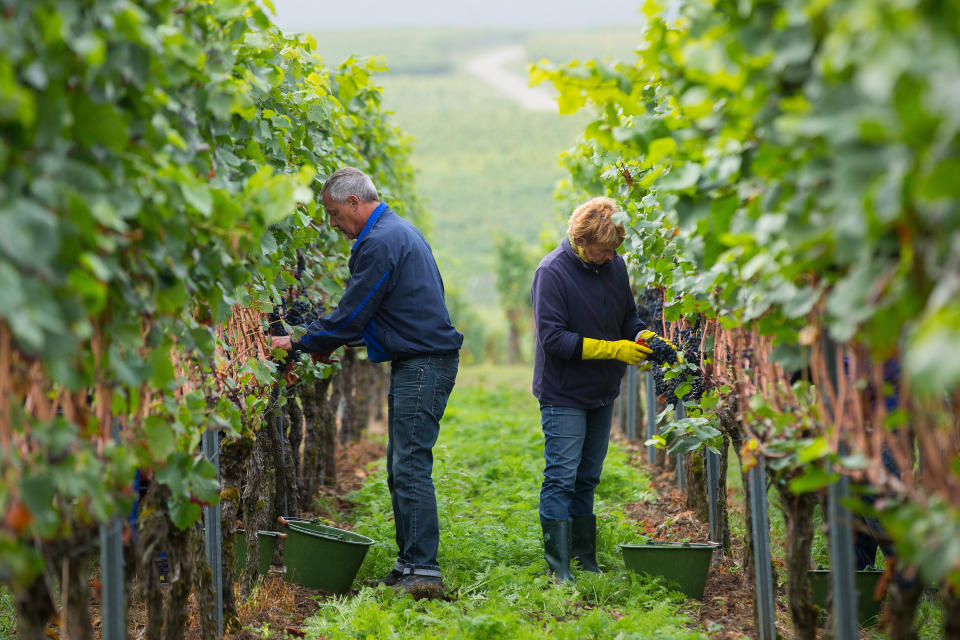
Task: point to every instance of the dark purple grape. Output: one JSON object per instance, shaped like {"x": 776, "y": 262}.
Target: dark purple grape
{"x": 650, "y": 308}
{"x": 276, "y": 324}
{"x": 663, "y": 353}
{"x": 297, "y": 313}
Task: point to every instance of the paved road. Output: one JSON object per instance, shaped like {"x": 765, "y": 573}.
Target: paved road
{"x": 491, "y": 67}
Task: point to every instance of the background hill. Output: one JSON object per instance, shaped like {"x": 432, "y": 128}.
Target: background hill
{"x": 487, "y": 163}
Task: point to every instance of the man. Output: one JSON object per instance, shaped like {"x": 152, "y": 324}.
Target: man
{"x": 394, "y": 301}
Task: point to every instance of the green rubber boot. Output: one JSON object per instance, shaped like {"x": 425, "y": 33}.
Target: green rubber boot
{"x": 556, "y": 547}
{"x": 583, "y": 542}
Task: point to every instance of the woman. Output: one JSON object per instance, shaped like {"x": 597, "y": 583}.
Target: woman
{"x": 587, "y": 324}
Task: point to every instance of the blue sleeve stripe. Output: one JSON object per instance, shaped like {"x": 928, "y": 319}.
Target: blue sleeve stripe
{"x": 353, "y": 315}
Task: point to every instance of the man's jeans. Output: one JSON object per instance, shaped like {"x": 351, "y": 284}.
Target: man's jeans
{"x": 419, "y": 388}
{"x": 575, "y": 445}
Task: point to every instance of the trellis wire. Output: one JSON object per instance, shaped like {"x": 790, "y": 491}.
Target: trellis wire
{"x": 211, "y": 528}
{"x": 760, "y": 527}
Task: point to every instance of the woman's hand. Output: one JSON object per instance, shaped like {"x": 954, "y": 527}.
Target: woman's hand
{"x": 663, "y": 349}
{"x": 622, "y": 350}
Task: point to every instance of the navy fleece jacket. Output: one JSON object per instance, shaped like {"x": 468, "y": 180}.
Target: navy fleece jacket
{"x": 573, "y": 300}
{"x": 394, "y": 299}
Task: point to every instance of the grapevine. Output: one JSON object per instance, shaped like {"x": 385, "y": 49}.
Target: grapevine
{"x": 781, "y": 203}
{"x": 160, "y": 169}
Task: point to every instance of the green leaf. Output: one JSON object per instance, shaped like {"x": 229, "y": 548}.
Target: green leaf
{"x": 570, "y": 101}
{"x": 160, "y": 436}
{"x": 812, "y": 479}
{"x": 28, "y": 234}
{"x": 184, "y": 513}
{"x": 656, "y": 441}
{"x": 38, "y": 493}
{"x": 680, "y": 178}
{"x": 100, "y": 124}
{"x": 933, "y": 353}
{"x": 198, "y": 196}
{"x": 942, "y": 181}
{"x": 816, "y": 449}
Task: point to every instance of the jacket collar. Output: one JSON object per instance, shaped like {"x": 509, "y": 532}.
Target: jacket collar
{"x": 372, "y": 220}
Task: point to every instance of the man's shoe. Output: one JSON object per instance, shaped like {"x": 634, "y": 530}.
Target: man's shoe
{"x": 420, "y": 586}
{"x": 391, "y": 579}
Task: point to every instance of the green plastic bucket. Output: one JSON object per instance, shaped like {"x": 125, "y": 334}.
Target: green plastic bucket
{"x": 685, "y": 564}
{"x": 240, "y": 546}
{"x": 322, "y": 557}
{"x": 302, "y": 522}
{"x": 266, "y": 545}
{"x": 868, "y": 609}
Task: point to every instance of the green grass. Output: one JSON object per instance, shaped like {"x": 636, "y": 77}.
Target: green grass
{"x": 8, "y": 614}
{"x": 928, "y": 623}
{"x": 491, "y": 377}
{"x": 488, "y": 466}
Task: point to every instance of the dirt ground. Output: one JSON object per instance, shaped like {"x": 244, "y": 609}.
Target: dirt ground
{"x": 281, "y": 605}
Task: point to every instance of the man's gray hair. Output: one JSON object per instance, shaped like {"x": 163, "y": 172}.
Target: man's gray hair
{"x": 347, "y": 182}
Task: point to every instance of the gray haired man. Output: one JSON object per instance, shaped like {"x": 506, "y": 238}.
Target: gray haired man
{"x": 394, "y": 301}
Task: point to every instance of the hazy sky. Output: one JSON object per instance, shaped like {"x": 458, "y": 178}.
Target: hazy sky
{"x": 304, "y": 15}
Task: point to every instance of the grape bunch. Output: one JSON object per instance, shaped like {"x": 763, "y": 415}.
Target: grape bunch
{"x": 298, "y": 313}
{"x": 650, "y": 308}
{"x": 668, "y": 387}
{"x": 663, "y": 353}
{"x": 688, "y": 343}
{"x": 276, "y": 324}
{"x": 313, "y": 314}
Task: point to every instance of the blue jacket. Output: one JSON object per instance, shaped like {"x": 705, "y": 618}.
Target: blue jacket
{"x": 394, "y": 299}
{"x": 573, "y": 300}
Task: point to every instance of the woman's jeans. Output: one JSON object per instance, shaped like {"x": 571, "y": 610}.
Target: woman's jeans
{"x": 419, "y": 388}
{"x": 575, "y": 445}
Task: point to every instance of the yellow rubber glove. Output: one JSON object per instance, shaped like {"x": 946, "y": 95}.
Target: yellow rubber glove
{"x": 646, "y": 334}
{"x": 622, "y": 350}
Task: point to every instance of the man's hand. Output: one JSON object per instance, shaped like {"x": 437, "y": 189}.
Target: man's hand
{"x": 281, "y": 342}
{"x": 622, "y": 350}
